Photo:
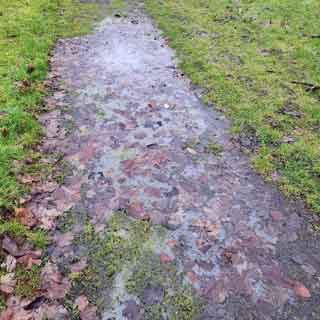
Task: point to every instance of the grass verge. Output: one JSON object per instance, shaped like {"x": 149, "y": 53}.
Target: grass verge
{"x": 28, "y": 31}
{"x": 259, "y": 62}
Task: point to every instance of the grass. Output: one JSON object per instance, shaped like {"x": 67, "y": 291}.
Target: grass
{"x": 28, "y": 30}
{"x": 27, "y": 281}
{"x": 255, "y": 60}
{"x": 15, "y": 229}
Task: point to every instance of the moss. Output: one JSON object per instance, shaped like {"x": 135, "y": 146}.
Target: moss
{"x": 127, "y": 250}
{"x": 213, "y": 148}
{"x": 2, "y": 303}
{"x": 179, "y": 301}
{"x": 28, "y": 281}
{"x": 15, "y": 229}
{"x": 107, "y": 253}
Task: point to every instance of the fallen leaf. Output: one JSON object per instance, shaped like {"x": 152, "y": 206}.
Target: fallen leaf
{"x": 164, "y": 258}
{"x": 152, "y": 104}
{"x": 172, "y": 243}
{"x": 64, "y": 240}
{"x": 82, "y": 303}
{"x": 7, "y": 283}
{"x": 25, "y": 217}
{"x": 79, "y": 266}
{"x": 28, "y": 260}
{"x": 301, "y": 291}
{"x": 15, "y": 310}
{"x": 192, "y": 151}
{"x": 48, "y": 187}
{"x": 10, "y": 246}
{"x": 55, "y": 285}
{"x": 228, "y": 255}
{"x": 7, "y": 314}
{"x": 212, "y": 230}
{"x": 10, "y": 263}
{"x": 192, "y": 277}
{"x": 28, "y": 179}
{"x": 89, "y": 313}
{"x": 51, "y": 312}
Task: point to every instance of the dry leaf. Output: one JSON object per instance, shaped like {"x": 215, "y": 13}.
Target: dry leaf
{"x": 10, "y": 246}
{"x": 89, "y": 313}
{"x": 55, "y": 285}
{"x": 29, "y": 261}
{"x": 7, "y": 283}
{"x": 10, "y": 263}
{"x": 26, "y": 217}
{"x": 82, "y": 303}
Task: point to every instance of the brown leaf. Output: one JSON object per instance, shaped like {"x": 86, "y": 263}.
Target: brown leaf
{"x": 10, "y": 263}
{"x": 48, "y": 187}
{"x": 89, "y": 313}
{"x": 212, "y": 230}
{"x": 30, "y": 68}
{"x": 28, "y": 179}
{"x": 64, "y": 240}
{"x": 10, "y": 246}
{"x": 7, "y": 314}
{"x": 15, "y": 310}
{"x": 301, "y": 291}
{"x": 28, "y": 260}
{"x": 152, "y": 104}
{"x": 26, "y": 217}
{"x": 79, "y": 266}
{"x": 7, "y": 283}
{"x": 82, "y": 303}
{"x": 192, "y": 277}
{"x": 55, "y": 285}
{"x": 164, "y": 258}
{"x": 51, "y": 312}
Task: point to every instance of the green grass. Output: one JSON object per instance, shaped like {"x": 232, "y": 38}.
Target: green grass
{"x": 28, "y": 30}
{"x": 13, "y": 228}
{"x": 27, "y": 281}
{"x": 249, "y": 56}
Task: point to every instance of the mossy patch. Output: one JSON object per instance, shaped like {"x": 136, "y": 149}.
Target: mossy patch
{"x": 28, "y": 281}
{"x": 161, "y": 290}
{"x": 127, "y": 253}
{"x": 15, "y": 229}
{"x": 213, "y": 148}
{"x": 107, "y": 253}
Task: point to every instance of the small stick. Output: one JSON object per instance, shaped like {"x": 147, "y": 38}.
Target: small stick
{"x": 311, "y": 87}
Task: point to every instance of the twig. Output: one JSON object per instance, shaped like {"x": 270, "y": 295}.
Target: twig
{"x": 315, "y": 36}
{"x": 310, "y": 86}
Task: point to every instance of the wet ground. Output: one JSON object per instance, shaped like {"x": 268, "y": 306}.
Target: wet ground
{"x": 138, "y": 140}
